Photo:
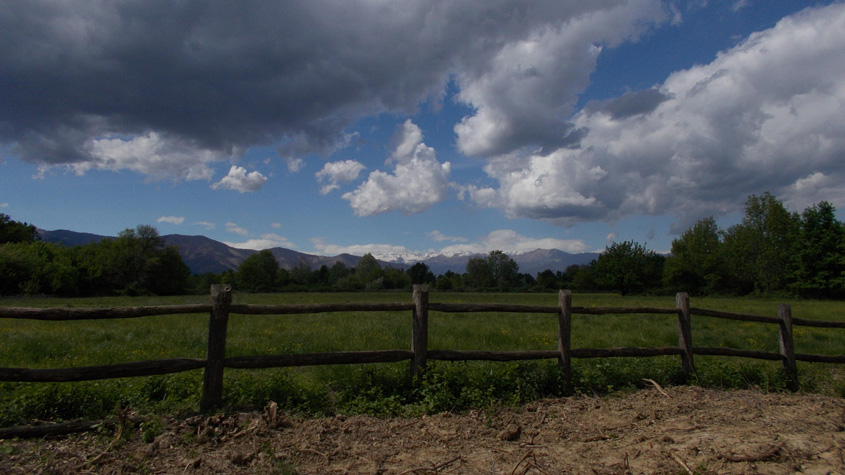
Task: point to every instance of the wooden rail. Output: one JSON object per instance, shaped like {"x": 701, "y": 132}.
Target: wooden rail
{"x": 221, "y": 307}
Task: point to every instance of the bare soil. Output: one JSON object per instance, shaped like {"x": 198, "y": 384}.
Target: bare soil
{"x": 674, "y": 431}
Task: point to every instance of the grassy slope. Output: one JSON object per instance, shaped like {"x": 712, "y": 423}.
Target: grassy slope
{"x": 386, "y": 388}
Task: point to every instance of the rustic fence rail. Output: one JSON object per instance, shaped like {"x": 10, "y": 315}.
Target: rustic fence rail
{"x": 221, "y": 307}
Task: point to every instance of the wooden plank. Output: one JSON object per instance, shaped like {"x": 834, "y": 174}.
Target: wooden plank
{"x": 733, "y": 316}
{"x": 820, "y": 358}
{"x": 212, "y": 384}
{"x": 317, "y": 359}
{"x": 71, "y": 313}
{"x": 760, "y": 355}
{"x": 623, "y": 310}
{"x": 491, "y": 308}
{"x": 787, "y": 348}
{"x": 564, "y": 335}
{"x": 419, "y": 330}
{"x": 803, "y": 322}
{"x": 90, "y": 373}
{"x": 298, "y": 309}
{"x": 685, "y": 333}
{"x": 626, "y": 352}
{"x": 480, "y": 355}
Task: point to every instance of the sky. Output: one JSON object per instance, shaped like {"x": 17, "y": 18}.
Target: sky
{"x": 406, "y": 128}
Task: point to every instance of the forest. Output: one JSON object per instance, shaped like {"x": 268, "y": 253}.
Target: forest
{"x": 771, "y": 251}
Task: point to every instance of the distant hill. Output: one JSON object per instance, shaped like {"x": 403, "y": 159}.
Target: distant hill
{"x": 202, "y": 255}
{"x": 69, "y": 238}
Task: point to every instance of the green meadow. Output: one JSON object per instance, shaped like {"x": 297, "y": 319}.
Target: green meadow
{"x": 387, "y": 389}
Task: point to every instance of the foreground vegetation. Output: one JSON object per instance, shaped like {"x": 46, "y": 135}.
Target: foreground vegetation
{"x": 386, "y": 389}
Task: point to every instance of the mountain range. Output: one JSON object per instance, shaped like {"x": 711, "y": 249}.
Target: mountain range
{"x": 202, "y": 255}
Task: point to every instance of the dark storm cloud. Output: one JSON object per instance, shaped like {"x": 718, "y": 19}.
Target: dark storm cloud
{"x": 223, "y": 76}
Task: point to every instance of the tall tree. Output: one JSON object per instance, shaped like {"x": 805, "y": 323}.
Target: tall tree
{"x": 760, "y": 250}
{"x": 697, "y": 261}
{"x": 821, "y": 253}
{"x": 421, "y": 274}
{"x": 628, "y": 267}
{"x": 504, "y": 271}
{"x": 14, "y": 231}
{"x": 257, "y": 273}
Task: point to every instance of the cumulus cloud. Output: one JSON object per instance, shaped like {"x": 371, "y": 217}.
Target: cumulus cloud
{"x": 338, "y": 172}
{"x": 239, "y": 180}
{"x": 171, "y": 219}
{"x": 206, "y": 81}
{"x": 207, "y": 225}
{"x": 764, "y": 115}
{"x": 266, "y": 241}
{"x": 521, "y": 94}
{"x": 150, "y": 154}
{"x": 234, "y": 228}
{"x": 418, "y": 180}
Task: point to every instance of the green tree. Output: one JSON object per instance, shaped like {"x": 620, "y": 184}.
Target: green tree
{"x": 548, "y": 280}
{"x": 478, "y": 274}
{"x": 628, "y": 267}
{"x": 257, "y": 273}
{"x": 821, "y": 253}
{"x": 421, "y": 274}
{"x": 504, "y": 271}
{"x": 697, "y": 261}
{"x": 14, "y": 231}
{"x": 368, "y": 270}
{"x": 167, "y": 273}
{"x": 761, "y": 250}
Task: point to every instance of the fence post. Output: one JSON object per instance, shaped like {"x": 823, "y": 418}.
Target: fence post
{"x": 212, "y": 384}
{"x": 685, "y": 333}
{"x": 419, "y": 330}
{"x": 564, "y": 335}
{"x": 787, "y": 347}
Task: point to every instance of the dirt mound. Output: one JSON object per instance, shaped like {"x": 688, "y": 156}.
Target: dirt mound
{"x": 679, "y": 430}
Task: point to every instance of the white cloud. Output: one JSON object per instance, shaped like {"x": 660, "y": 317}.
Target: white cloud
{"x": 207, "y": 225}
{"x": 4, "y": 205}
{"x": 234, "y": 228}
{"x": 806, "y": 191}
{"x": 338, "y": 172}
{"x": 238, "y": 179}
{"x": 151, "y": 154}
{"x": 377, "y": 250}
{"x": 171, "y": 219}
{"x": 521, "y": 93}
{"x": 294, "y": 164}
{"x": 418, "y": 180}
{"x": 276, "y": 225}
{"x": 762, "y": 116}
{"x": 266, "y": 241}
{"x": 440, "y": 237}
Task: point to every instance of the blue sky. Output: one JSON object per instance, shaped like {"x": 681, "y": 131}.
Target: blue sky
{"x": 420, "y": 127}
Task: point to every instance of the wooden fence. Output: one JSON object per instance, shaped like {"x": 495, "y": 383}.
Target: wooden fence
{"x": 221, "y": 306}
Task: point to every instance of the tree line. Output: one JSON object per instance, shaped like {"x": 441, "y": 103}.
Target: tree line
{"x": 137, "y": 262}
{"x": 772, "y": 250}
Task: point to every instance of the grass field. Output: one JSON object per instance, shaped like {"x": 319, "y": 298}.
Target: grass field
{"x": 386, "y": 389}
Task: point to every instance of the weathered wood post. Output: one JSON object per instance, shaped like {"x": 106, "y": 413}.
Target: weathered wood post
{"x": 419, "y": 330}
{"x": 212, "y": 384}
{"x": 787, "y": 347}
{"x": 685, "y": 333}
{"x": 564, "y": 335}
